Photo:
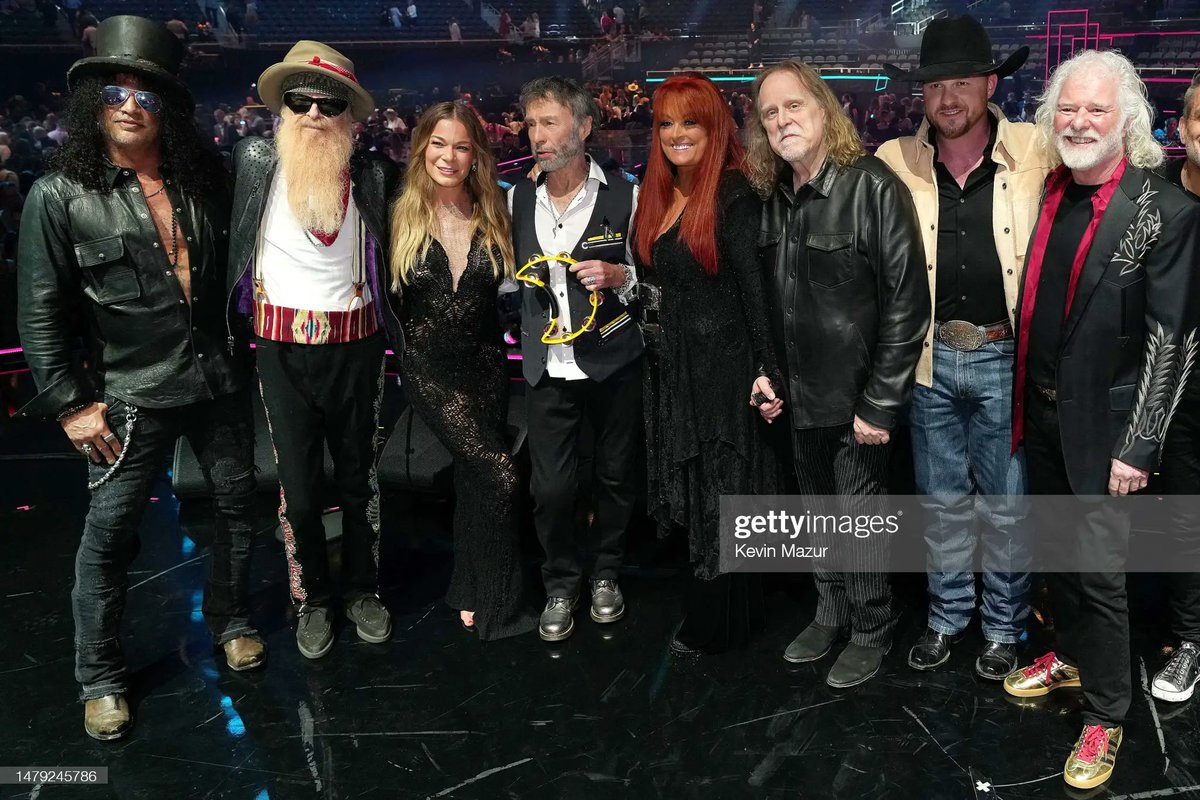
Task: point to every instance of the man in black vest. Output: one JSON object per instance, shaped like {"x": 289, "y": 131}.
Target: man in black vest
{"x": 581, "y": 345}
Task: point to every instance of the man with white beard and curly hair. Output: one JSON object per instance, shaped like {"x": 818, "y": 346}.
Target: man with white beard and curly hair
{"x": 1106, "y": 338}
{"x": 310, "y": 229}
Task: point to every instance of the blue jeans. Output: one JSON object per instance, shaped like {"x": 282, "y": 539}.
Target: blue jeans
{"x": 221, "y": 433}
{"x": 967, "y": 476}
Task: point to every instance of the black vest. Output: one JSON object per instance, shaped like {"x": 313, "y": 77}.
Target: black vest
{"x": 616, "y": 338}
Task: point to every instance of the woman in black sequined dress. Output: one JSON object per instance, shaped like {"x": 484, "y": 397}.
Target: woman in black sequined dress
{"x": 696, "y": 248}
{"x": 451, "y": 249}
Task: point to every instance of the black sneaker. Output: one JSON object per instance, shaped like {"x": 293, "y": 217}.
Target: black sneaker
{"x": 371, "y": 618}
{"x": 1176, "y": 681}
{"x": 314, "y": 631}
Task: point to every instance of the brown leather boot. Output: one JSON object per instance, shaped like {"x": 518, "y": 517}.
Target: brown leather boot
{"x": 245, "y": 652}
{"x": 107, "y": 717}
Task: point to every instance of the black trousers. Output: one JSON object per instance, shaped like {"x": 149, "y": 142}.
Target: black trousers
{"x": 1091, "y": 609}
{"x": 1181, "y": 478}
{"x": 325, "y": 394}
{"x": 557, "y": 409}
{"x": 854, "y": 589}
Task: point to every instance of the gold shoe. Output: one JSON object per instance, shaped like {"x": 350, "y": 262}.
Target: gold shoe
{"x": 106, "y": 718}
{"x": 245, "y": 652}
{"x": 1093, "y": 758}
{"x": 1041, "y": 677}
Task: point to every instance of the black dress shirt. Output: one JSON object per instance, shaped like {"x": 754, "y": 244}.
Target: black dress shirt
{"x": 970, "y": 279}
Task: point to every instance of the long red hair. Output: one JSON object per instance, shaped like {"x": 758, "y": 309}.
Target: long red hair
{"x": 693, "y": 97}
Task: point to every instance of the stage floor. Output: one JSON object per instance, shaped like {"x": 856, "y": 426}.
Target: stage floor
{"x": 436, "y": 713}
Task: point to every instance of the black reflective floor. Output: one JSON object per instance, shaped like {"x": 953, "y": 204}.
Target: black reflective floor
{"x": 435, "y": 713}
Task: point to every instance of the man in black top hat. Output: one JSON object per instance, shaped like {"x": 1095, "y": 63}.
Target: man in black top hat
{"x": 128, "y": 233}
{"x": 976, "y": 179}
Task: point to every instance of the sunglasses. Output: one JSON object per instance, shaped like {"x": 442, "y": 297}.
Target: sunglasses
{"x": 301, "y": 103}
{"x": 117, "y": 95}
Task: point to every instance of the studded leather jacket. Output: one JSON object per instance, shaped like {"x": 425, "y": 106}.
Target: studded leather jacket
{"x": 848, "y": 297}
{"x": 91, "y": 263}
{"x": 374, "y": 180}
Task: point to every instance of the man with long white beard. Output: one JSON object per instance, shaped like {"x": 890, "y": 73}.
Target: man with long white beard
{"x": 311, "y": 225}
{"x": 1106, "y": 339}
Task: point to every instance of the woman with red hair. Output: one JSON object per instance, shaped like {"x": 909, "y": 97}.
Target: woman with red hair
{"x": 708, "y": 350}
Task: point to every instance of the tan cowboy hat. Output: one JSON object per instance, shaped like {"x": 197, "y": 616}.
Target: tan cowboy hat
{"x": 319, "y": 59}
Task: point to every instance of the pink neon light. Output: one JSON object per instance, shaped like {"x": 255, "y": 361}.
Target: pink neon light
{"x": 514, "y": 161}
{"x": 10, "y": 351}
{"x": 24, "y": 508}
{"x": 514, "y": 357}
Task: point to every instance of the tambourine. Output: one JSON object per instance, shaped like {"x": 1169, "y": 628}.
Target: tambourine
{"x": 552, "y": 335}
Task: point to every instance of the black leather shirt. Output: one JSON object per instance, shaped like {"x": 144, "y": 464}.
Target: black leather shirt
{"x": 847, "y": 292}
{"x": 91, "y": 262}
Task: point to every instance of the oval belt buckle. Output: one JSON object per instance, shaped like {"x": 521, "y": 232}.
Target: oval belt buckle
{"x": 961, "y": 335}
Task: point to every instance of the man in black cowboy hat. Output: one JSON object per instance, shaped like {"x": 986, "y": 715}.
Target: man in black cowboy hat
{"x": 975, "y": 179}
{"x": 311, "y": 232}
{"x": 128, "y": 232}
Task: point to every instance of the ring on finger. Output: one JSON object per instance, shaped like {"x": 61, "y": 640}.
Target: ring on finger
{"x": 110, "y": 437}
{"x": 86, "y": 449}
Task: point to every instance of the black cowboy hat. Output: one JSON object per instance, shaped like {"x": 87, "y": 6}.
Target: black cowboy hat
{"x": 135, "y": 45}
{"x": 957, "y": 47}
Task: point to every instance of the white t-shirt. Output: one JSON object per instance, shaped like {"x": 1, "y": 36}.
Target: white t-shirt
{"x": 300, "y": 272}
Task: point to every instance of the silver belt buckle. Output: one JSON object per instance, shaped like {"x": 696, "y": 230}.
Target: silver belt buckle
{"x": 961, "y": 335}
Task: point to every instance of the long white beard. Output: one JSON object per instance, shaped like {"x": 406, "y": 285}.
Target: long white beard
{"x": 315, "y": 164}
{"x": 1081, "y": 158}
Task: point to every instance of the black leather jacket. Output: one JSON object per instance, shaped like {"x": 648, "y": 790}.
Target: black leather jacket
{"x": 91, "y": 262}
{"x": 849, "y": 298}
{"x": 374, "y": 179}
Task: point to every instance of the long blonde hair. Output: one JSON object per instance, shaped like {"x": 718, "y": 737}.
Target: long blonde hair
{"x": 413, "y": 220}
{"x": 841, "y": 139}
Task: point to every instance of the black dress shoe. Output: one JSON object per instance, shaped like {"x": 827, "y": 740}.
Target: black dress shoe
{"x": 857, "y": 664}
{"x": 996, "y": 661}
{"x": 814, "y": 642}
{"x": 932, "y": 650}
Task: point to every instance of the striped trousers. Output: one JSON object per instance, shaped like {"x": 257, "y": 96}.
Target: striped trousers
{"x": 853, "y": 590}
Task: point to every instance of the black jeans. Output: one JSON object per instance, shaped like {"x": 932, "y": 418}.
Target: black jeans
{"x": 320, "y": 395}
{"x": 1181, "y": 477}
{"x": 1091, "y": 609}
{"x": 221, "y": 433}
{"x": 857, "y": 593}
{"x": 556, "y": 411}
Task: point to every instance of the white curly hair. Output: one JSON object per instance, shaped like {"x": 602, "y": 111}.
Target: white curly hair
{"x": 1137, "y": 115}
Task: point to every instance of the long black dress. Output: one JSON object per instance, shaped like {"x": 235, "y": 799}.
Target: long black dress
{"x": 703, "y": 437}
{"x": 453, "y": 370}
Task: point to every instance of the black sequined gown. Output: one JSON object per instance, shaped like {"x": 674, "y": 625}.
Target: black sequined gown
{"x": 703, "y": 439}
{"x": 453, "y": 370}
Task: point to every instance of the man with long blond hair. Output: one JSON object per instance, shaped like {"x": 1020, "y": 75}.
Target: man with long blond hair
{"x": 311, "y": 230}
{"x": 850, "y": 310}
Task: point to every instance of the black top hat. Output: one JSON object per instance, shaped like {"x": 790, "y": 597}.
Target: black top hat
{"x": 136, "y": 45}
{"x": 957, "y": 47}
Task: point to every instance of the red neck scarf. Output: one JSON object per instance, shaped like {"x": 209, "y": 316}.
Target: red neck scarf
{"x": 328, "y": 239}
{"x": 1056, "y": 187}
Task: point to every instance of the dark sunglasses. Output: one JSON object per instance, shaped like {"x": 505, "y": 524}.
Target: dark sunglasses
{"x": 301, "y": 103}
{"x": 117, "y": 95}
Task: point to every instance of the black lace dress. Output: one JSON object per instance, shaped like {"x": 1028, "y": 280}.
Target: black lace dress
{"x": 703, "y": 438}
{"x": 453, "y": 370}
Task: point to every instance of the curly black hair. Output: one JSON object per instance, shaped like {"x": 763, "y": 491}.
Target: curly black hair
{"x": 187, "y": 155}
